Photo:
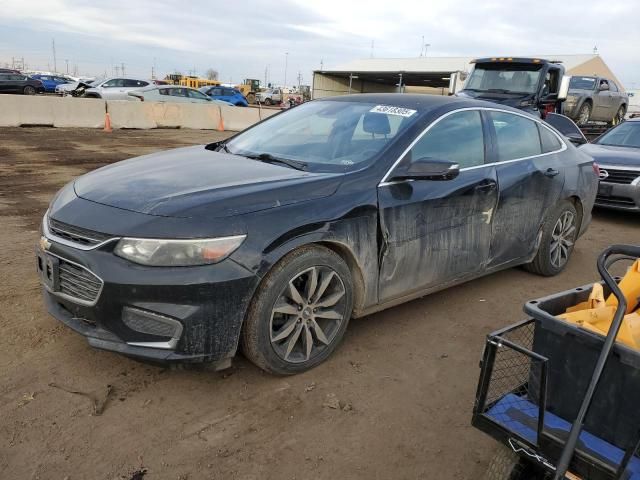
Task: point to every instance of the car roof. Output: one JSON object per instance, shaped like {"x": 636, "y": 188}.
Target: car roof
{"x": 420, "y": 101}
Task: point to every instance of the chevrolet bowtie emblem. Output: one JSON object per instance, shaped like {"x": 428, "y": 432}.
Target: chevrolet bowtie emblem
{"x": 44, "y": 243}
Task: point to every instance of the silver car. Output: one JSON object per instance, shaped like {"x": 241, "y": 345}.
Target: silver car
{"x": 173, "y": 93}
{"x": 115, "y": 88}
{"x": 595, "y": 99}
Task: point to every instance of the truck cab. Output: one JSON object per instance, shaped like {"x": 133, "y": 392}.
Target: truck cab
{"x": 531, "y": 84}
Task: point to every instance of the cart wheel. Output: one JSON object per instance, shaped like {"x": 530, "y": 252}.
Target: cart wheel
{"x": 507, "y": 465}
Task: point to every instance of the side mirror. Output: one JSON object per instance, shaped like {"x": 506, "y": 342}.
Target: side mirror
{"x": 603, "y": 87}
{"x": 427, "y": 168}
{"x": 577, "y": 138}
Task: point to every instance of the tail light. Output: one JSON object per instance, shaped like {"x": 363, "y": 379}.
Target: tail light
{"x": 596, "y": 169}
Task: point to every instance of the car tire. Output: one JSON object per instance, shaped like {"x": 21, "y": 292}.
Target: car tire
{"x": 29, "y": 90}
{"x": 584, "y": 114}
{"x": 619, "y": 118}
{"x": 507, "y": 465}
{"x": 559, "y": 234}
{"x": 297, "y": 318}
{"x": 267, "y": 101}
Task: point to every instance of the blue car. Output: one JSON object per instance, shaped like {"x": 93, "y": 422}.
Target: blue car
{"x": 226, "y": 94}
{"x": 50, "y": 82}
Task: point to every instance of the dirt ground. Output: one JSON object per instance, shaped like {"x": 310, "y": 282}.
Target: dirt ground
{"x": 406, "y": 376}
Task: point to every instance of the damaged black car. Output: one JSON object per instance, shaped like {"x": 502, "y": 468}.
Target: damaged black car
{"x": 271, "y": 241}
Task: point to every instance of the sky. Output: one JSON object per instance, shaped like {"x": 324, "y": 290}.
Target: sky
{"x": 270, "y": 39}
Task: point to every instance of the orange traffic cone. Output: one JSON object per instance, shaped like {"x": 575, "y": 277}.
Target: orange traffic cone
{"x": 221, "y": 124}
{"x": 107, "y": 123}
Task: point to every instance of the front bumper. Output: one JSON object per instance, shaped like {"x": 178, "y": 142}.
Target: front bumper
{"x": 625, "y": 197}
{"x": 209, "y": 302}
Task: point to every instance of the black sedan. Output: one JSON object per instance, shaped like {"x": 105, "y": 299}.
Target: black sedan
{"x": 273, "y": 240}
{"x": 617, "y": 152}
{"x": 19, "y": 83}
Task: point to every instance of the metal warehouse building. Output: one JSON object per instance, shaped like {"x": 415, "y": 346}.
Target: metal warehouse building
{"x": 427, "y": 74}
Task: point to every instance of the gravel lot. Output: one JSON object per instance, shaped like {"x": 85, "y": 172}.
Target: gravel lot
{"x": 406, "y": 377}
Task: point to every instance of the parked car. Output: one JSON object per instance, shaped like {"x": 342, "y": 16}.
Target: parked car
{"x": 270, "y": 97}
{"x": 77, "y": 87}
{"x": 115, "y": 88}
{"x": 19, "y": 83}
{"x": 171, "y": 93}
{"x": 226, "y": 94}
{"x": 617, "y": 152}
{"x": 50, "y": 82}
{"x": 595, "y": 99}
{"x": 275, "y": 238}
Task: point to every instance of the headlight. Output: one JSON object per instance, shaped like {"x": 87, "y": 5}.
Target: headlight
{"x": 177, "y": 253}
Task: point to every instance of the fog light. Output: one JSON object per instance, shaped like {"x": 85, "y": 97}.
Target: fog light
{"x": 152, "y": 324}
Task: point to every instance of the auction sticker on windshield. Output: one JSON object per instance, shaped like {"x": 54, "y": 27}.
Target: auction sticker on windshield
{"x": 402, "y": 112}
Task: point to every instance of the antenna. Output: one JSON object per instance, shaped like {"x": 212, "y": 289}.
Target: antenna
{"x": 53, "y": 47}
{"x": 422, "y": 46}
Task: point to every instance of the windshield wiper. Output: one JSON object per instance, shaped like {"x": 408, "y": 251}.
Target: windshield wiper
{"x": 268, "y": 158}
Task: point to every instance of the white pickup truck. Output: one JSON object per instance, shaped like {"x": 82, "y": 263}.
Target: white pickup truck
{"x": 270, "y": 97}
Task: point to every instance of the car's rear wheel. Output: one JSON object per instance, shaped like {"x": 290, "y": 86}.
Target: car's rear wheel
{"x": 559, "y": 234}
{"x": 267, "y": 101}
{"x": 300, "y": 312}
{"x": 29, "y": 90}
{"x": 584, "y": 113}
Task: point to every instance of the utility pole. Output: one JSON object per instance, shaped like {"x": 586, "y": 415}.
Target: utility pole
{"x": 286, "y": 61}
{"x": 266, "y": 69}
{"x": 321, "y": 64}
{"x": 53, "y": 47}
{"x": 426, "y": 46}
{"x": 372, "y": 44}
{"x": 122, "y": 68}
{"x": 67, "y": 62}
{"x": 117, "y": 70}
{"x": 299, "y": 81}
{"x": 422, "y": 46}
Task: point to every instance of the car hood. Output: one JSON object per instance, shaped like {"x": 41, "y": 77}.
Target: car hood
{"x": 196, "y": 182}
{"x": 612, "y": 155}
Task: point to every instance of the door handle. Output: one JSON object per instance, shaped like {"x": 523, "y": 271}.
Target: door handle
{"x": 551, "y": 172}
{"x": 486, "y": 186}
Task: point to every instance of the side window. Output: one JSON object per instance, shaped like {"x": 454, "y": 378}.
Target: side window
{"x": 550, "y": 141}
{"x": 135, "y": 83}
{"x": 4, "y": 76}
{"x": 116, "y": 82}
{"x": 216, "y": 91}
{"x": 612, "y": 86}
{"x": 197, "y": 94}
{"x": 163, "y": 91}
{"x": 178, "y": 92}
{"x": 517, "y": 136}
{"x": 456, "y": 138}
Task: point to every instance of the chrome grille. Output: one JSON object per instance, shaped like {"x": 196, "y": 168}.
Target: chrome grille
{"x": 620, "y": 176}
{"x": 78, "y": 282}
{"x": 74, "y": 234}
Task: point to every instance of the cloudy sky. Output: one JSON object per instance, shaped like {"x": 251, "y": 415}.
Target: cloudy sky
{"x": 243, "y": 39}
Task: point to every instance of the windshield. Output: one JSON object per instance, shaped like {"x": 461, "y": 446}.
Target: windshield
{"x": 625, "y": 135}
{"x": 510, "y": 78}
{"x": 583, "y": 83}
{"x": 326, "y": 135}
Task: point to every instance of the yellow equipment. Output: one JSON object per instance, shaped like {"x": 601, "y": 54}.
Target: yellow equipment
{"x": 190, "y": 81}
{"x": 596, "y": 314}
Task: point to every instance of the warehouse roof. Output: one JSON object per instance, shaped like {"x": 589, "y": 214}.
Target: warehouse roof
{"x": 438, "y": 64}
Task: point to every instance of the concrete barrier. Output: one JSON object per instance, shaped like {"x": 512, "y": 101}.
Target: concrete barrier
{"x": 131, "y": 114}
{"x": 18, "y": 110}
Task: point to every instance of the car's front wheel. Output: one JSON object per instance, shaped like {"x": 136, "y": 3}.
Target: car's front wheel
{"x": 29, "y": 90}
{"x": 559, "y": 234}
{"x": 300, "y": 312}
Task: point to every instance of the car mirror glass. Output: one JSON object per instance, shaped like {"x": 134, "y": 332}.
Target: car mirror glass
{"x": 429, "y": 168}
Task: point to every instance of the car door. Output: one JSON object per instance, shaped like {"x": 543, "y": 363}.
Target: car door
{"x": 112, "y": 89}
{"x": 530, "y": 181}
{"x": 601, "y": 101}
{"x": 5, "y": 82}
{"x": 438, "y": 231}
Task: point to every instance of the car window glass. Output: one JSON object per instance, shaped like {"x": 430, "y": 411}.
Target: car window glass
{"x": 115, "y": 82}
{"x": 613, "y": 87}
{"x": 178, "y": 92}
{"x": 216, "y": 91}
{"x": 197, "y": 94}
{"x": 517, "y": 137}
{"x": 330, "y": 135}
{"x": 163, "y": 91}
{"x": 44, "y": 77}
{"x": 550, "y": 141}
{"x": 19, "y": 77}
{"x": 626, "y": 134}
{"x": 228, "y": 92}
{"x": 4, "y": 76}
{"x": 582, "y": 83}
{"x": 456, "y": 138}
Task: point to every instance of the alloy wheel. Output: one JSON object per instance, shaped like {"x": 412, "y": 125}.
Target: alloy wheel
{"x": 583, "y": 115}
{"x": 307, "y": 314}
{"x": 562, "y": 239}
